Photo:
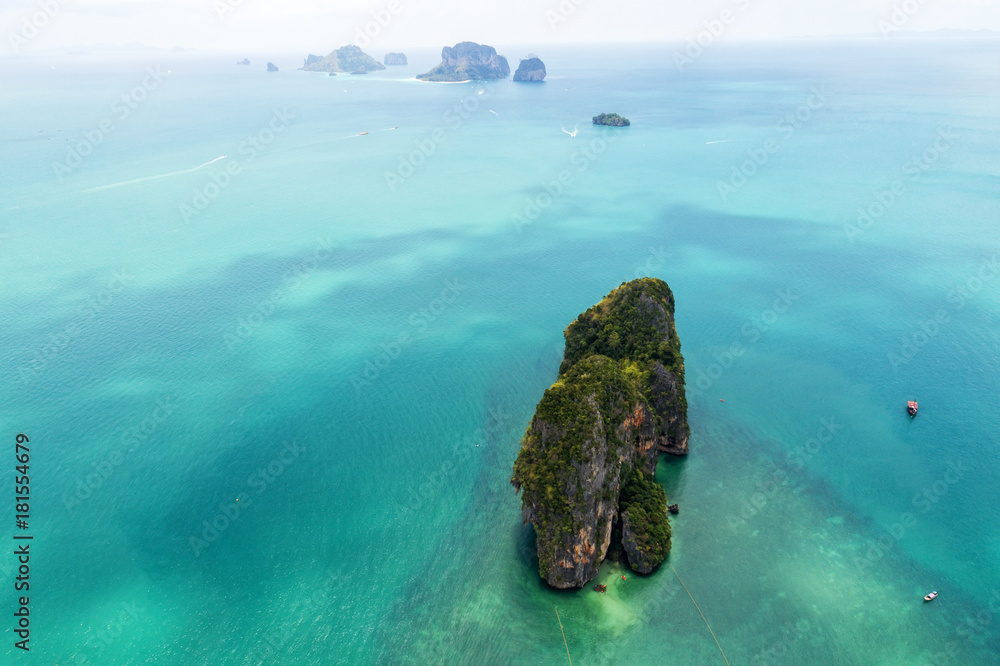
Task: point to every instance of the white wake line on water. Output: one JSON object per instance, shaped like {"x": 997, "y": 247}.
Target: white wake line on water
{"x": 162, "y": 175}
{"x": 709, "y": 143}
{"x": 345, "y": 138}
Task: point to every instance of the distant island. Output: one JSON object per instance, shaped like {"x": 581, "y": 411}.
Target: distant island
{"x": 530, "y": 69}
{"x": 350, "y": 59}
{"x": 468, "y": 61}
{"x": 271, "y": 67}
{"x": 395, "y": 59}
{"x": 587, "y": 459}
{"x": 611, "y": 120}
{"x": 245, "y": 61}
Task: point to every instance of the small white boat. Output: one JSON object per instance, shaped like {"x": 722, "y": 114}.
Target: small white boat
{"x": 931, "y": 597}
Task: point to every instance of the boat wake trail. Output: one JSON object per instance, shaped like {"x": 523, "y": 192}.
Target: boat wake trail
{"x": 162, "y": 175}
{"x": 709, "y": 143}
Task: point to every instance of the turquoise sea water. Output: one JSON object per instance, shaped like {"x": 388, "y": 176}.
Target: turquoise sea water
{"x": 354, "y": 358}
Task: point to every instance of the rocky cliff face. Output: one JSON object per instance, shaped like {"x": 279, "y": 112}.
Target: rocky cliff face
{"x": 468, "y": 61}
{"x": 395, "y": 59}
{"x": 530, "y": 69}
{"x": 345, "y": 59}
{"x": 591, "y": 429}
{"x": 587, "y": 459}
{"x": 635, "y": 323}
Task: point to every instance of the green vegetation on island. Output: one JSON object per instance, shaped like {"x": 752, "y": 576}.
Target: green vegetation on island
{"x": 611, "y": 120}
{"x": 634, "y": 324}
{"x": 645, "y": 526}
{"x": 530, "y": 69}
{"x": 348, "y": 58}
{"x": 468, "y": 61}
{"x": 588, "y": 457}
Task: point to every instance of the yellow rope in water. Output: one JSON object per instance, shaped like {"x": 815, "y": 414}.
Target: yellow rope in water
{"x": 564, "y": 637}
{"x": 702, "y": 615}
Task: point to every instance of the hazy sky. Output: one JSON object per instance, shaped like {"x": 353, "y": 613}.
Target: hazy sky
{"x": 318, "y": 26}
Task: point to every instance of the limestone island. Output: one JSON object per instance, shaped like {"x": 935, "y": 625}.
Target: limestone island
{"x": 395, "y": 59}
{"x": 468, "y": 61}
{"x": 611, "y": 120}
{"x": 348, "y": 58}
{"x": 271, "y": 67}
{"x": 588, "y": 457}
{"x": 530, "y": 69}
{"x": 245, "y": 61}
